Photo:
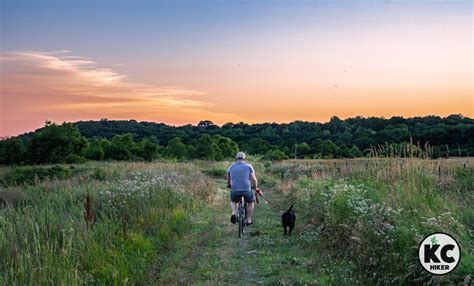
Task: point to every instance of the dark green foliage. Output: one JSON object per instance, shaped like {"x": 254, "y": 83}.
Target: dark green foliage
{"x": 454, "y": 130}
{"x": 55, "y": 143}
{"x": 191, "y": 152}
{"x": 227, "y": 148}
{"x": 95, "y": 150}
{"x": 206, "y": 148}
{"x": 326, "y": 149}
{"x": 257, "y": 146}
{"x": 276, "y": 155}
{"x": 303, "y": 150}
{"x": 353, "y": 152}
{"x": 175, "y": 149}
{"x": 10, "y": 151}
{"x": 349, "y": 138}
{"x": 30, "y": 174}
{"x": 147, "y": 150}
{"x": 122, "y": 147}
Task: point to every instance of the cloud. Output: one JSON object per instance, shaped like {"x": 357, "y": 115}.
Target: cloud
{"x": 36, "y": 86}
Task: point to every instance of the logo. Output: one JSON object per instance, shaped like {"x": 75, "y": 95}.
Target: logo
{"x": 439, "y": 253}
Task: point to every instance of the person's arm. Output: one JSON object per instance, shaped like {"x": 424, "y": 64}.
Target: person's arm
{"x": 253, "y": 178}
{"x": 228, "y": 180}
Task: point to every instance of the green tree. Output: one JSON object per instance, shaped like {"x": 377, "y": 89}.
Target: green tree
{"x": 94, "y": 150}
{"x": 452, "y": 133}
{"x": 344, "y": 138}
{"x": 326, "y": 134}
{"x": 330, "y": 150}
{"x": 205, "y": 123}
{"x": 175, "y": 149}
{"x": 106, "y": 146}
{"x": 11, "y": 151}
{"x": 122, "y": 147}
{"x": 326, "y": 149}
{"x": 147, "y": 150}
{"x": 275, "y": 154}
{"x": 364, "y": 143}
{"x": 355, "y": 152}
{"x": 352, "y": 152}
{"x": 227, "y": 148}
{"x": 55, "y": 143}
{"x": 256, "y": 146}
{"x": 191, "y": 152}
{"x": 206, "y": 148}
{"x": 303, "y": 150}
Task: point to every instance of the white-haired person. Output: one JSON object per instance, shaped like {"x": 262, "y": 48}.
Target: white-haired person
{"x": 240, "y": 178}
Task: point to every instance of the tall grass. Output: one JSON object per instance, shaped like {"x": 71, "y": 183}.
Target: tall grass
{"x": 388, "y": 169}
{"x": 370, "y": 215}
{"x": 103, "y": 227}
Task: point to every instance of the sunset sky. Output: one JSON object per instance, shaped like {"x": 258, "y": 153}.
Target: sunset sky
{"x": 181, "y": 62}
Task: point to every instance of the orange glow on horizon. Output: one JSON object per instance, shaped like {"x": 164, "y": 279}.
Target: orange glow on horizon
{"x": 63, "y": 88}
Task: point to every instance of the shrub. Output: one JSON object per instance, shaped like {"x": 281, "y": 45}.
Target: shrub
{"x": 275, "y": 154}
{"x": 32, "y": 174}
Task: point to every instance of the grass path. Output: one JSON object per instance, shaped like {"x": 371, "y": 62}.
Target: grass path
{"x": 212, "y": 254}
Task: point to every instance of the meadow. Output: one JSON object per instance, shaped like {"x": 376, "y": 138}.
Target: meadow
{"x": 107, "y": 223}
{"x": 369, "y": 215}
{"x": 122, "y": 223}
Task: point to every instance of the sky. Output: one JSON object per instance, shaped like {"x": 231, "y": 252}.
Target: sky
{"x": 181, "y": 62}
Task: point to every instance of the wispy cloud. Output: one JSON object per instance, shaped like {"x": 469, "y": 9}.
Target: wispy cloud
{"x": 60, "y": 86}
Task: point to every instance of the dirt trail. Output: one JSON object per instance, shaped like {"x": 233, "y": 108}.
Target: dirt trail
{"x": 214, "y": 255}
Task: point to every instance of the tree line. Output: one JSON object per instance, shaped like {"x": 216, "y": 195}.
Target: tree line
{"x": 132, "y": 140}
{"x": 65, "y": 144}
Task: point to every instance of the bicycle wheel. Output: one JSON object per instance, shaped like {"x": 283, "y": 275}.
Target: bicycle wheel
{"x": 242, "y": 217}
{"x": 240, "y": 229}
{"x": 241, "y": 221}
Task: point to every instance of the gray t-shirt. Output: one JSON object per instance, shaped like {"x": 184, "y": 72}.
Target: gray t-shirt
{"x": 240, "y": 176}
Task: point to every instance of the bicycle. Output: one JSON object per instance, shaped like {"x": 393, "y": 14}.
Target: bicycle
{"x": 242, "y": 216}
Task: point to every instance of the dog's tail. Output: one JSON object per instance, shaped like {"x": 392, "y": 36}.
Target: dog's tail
{"x": 290, "y": 208}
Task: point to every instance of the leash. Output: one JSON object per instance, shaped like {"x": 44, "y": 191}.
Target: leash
{"x": 260, "y": 193}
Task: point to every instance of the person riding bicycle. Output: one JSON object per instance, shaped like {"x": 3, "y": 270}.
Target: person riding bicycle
{"x": 240, "y": 178}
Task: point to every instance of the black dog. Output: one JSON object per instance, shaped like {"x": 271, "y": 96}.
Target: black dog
{"x": 288, "y": 219}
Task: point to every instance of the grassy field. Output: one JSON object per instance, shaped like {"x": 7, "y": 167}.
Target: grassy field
{"x": 106, "y": 223}
{"x": 359, "y": 222}
{"x": 370, "y": 215}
